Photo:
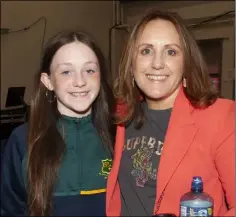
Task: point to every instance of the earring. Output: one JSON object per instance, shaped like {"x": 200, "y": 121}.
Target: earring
{"x": 133, "y": 81}
{"x": 51, "y": 98}
{"x": 184, "y": 82}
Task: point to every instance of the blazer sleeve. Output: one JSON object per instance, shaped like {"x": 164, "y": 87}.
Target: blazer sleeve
{"x": 13, "y": 193}
{"x": 225, "y": 158}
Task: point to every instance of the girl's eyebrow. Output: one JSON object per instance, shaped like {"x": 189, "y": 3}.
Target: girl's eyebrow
{"x": 64, "y": 63}
{"x": 94, "y": 62}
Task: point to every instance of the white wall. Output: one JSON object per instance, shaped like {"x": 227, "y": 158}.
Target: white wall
{"x": 197, "y": 10}
{"x": 20, "y": 52}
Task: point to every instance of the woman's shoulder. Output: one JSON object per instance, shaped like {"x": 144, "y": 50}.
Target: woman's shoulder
{"x": 223, "y": 108}
{"x": 220, "y": 106}
{"x": 223, "y": 104}
{"x": 219, "y": 115}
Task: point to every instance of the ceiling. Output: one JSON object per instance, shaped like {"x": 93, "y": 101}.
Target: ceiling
{"x": 169, "y": 4}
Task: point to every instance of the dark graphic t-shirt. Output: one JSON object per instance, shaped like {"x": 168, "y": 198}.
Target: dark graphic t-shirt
{"x": 139, "y": 163}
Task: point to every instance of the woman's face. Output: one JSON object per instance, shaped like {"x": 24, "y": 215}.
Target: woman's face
{"x": 159, "y": 63}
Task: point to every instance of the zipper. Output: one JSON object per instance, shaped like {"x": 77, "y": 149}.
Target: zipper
{"x": 79, "y": 155}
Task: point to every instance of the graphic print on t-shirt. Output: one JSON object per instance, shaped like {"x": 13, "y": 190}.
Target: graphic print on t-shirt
{"x": 146, "y": 150}
{"x": 138, "y": 171}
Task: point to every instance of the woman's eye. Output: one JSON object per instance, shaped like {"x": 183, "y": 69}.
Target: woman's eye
{"x": 171, "y": 52}
{"x": 90, "y": 71}
{"x": 146, "y": 51}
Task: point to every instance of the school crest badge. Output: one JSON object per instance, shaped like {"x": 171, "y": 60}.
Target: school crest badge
{"x": 106, "y": 167}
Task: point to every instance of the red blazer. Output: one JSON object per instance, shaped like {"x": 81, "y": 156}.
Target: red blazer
{"x": 197, "y": 143}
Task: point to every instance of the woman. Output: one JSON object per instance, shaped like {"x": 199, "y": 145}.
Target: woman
{"x": 171, "y": 127}
{"x": 62, "y": 169}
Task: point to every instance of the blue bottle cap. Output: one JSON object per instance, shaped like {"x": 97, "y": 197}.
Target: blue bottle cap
{"x": 197, "y": 184}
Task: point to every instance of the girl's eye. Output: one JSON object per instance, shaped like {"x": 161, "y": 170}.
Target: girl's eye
{"x": 66, "y": 72}
{"x": 171, "y": 52}
{"x": 90, "y": 71}
{"x": 146, "y": 51}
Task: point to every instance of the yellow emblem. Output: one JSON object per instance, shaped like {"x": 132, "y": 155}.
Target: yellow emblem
{"x": 106, "y": 167}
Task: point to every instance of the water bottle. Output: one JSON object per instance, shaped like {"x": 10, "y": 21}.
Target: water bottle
{"x": 196, "y": 202}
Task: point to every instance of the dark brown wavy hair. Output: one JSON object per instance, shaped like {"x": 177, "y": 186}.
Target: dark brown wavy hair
{"x": 199, "y": 90}
{"x": 45, "y": 145}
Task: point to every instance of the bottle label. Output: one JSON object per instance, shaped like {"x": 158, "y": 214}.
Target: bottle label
{"x": 196, "y": 211}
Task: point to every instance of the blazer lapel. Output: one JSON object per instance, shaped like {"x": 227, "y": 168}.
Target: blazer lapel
{"x": 180, "y": 134}
{"x": 120, "y": 139}
{"x": 112, "y": 179}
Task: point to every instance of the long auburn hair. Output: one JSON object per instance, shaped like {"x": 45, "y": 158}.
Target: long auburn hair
{"x": 45, "y": 144}
{"x": 199, "y": 90}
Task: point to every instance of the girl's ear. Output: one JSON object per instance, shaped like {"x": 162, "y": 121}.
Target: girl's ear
{"x": 45, "y": 79}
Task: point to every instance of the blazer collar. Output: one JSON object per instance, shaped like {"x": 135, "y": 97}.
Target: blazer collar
{"x": 182, "y": 112}
{"x": 180, "y": 134}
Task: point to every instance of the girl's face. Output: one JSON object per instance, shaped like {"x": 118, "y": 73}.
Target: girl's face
{"x": 75, "y": 79}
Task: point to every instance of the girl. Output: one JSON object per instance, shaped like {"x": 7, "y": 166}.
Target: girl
{"x": 58, "y": 163}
